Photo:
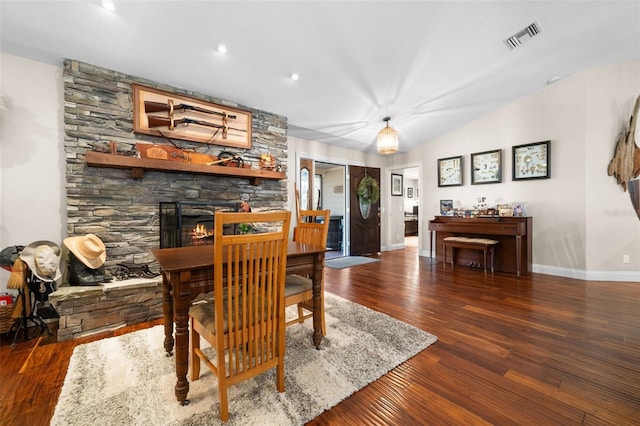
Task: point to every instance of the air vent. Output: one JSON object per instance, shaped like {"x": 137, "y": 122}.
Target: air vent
{"x": 522, "y": 36}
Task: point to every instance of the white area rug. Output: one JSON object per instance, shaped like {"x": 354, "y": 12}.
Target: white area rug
{"x": 347, "y": 261}
{"x": 129, "y": 380}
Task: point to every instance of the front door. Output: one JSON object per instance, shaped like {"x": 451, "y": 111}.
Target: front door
{"x": 364, "y": 224}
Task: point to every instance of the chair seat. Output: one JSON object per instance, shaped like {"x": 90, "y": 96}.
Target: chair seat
{"x": 470, "y": 240}
{"x": 295, "y": 284}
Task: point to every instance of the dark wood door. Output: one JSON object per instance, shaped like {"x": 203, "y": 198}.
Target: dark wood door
{"x": 364, "y": 232}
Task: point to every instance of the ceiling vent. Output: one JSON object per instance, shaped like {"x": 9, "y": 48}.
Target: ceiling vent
{"x": 522, "y": 36}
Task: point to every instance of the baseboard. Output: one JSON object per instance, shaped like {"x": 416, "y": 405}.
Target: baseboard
{"x": 580, "y": 274}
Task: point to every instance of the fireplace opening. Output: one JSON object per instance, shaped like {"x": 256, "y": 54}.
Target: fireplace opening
{"x": 190, "y": 223}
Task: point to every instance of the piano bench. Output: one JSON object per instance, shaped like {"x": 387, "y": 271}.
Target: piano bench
{"x": 483, "y": 244}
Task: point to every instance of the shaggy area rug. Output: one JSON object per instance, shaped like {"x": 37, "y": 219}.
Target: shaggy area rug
{"x": 129, "y": 380}
{"x": 348, "y": 261}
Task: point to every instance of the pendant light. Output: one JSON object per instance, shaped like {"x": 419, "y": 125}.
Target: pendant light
{"x": 387, "y": 139}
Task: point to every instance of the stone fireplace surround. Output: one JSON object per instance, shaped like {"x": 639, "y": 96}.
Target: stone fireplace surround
{"x": 123, "y": 211}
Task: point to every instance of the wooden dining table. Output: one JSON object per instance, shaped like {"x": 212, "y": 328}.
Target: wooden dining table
{"x": 188, "y": 272}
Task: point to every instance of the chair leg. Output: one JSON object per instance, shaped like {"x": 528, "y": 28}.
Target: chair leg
{"x": 300, "y": 313}
{"x": 224, "y": 404}
{"x": 194, "y": 343}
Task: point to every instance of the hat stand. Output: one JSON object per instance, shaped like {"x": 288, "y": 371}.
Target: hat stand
{"x": 28, "y": 314}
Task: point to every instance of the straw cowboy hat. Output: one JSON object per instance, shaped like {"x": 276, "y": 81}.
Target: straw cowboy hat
{"x": 89, "y": 249}
{"x": 43, "y": 258}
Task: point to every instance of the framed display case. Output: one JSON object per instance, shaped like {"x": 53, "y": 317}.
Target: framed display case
{"x": 486, "y": 167}
{"x": 450, "y": 171}
{"x": 170, "y": 115}
{"x": 532, "y": 161}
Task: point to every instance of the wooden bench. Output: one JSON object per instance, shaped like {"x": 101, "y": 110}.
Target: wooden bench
{"x": 484, "y": 244}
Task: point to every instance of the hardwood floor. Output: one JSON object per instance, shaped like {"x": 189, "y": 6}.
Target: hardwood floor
{"x": 533, "y": 350}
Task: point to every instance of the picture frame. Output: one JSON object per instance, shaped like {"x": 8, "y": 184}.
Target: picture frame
{"x": 486, "y": 167}
{"x": 153, "y": 114}
{"x": 396, "y": 185}
{"x": 519, "y": 209}
{"x": 450, "y": 171}
{"x": 446, "y": 207}
{"x": 409, "y": 192}
{"x": 532, "y": 161}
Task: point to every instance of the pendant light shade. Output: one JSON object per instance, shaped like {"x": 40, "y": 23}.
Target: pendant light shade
{"x": 387, "y": 139}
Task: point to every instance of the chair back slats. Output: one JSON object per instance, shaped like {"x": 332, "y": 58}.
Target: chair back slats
{"x": 249, "y": 270}
{"x": 312, "y": 227}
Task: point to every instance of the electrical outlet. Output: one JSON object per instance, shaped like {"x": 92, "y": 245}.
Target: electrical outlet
{"x": 625, "y": 258}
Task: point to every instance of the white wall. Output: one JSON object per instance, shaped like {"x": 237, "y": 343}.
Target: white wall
{"x": 583, "y": 221}
{"x": 332, "y": 179}
{"x": 32, "y": 163}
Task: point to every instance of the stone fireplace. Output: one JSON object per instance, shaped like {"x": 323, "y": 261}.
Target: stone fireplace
{"x": 123, "y": 208}
{"x": 124, "y": 211}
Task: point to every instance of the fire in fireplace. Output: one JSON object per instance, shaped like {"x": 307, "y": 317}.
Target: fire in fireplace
{"x": 190, "y": 223}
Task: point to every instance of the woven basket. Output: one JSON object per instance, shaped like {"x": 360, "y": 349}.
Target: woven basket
{"x": 5, "y": 317}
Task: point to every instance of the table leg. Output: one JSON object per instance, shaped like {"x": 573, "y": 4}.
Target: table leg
{"x": 167, "y": 313}
{"x": 182, "y": 303}
{"x": 317, "y": 277}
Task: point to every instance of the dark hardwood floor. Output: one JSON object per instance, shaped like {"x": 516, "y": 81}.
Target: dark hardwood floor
{"x": 534, "y": 350}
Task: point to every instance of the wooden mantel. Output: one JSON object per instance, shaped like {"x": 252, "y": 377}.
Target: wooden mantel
{"x": 139, "y": 165}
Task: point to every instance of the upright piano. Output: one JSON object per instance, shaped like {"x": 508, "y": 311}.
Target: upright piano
{"x": 512, "y": 254}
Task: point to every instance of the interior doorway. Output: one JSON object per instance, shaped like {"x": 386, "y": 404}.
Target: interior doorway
{"x": 411, "y": 206}
{"x": 322, "y": 186}
{"x": 404, "y": 215}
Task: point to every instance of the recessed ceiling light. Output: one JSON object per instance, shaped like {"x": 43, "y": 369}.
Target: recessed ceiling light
{"x": 295, "y": 76}
{"x": 222, "y": 48}
{"x": 109, "y": 5}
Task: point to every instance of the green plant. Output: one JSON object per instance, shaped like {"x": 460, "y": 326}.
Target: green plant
{"x": 244, "y": 228}
{"x": 368, "y": 190}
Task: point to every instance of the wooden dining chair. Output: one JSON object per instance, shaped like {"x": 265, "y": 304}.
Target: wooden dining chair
{"x": 244, "y": 324}
{"x": 312, "y": 228}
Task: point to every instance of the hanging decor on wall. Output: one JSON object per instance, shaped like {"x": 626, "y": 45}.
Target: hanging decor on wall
{"x": 625, "y": 164}
{"x": 168, "y": 115}
{"x": 368, "y": 194}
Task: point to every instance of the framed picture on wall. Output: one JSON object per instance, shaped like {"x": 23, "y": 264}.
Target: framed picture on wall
{"x": 532, "y": 161}
{"x": 450, "y": 171}
{"x": 396, "y": 184}
{"x": 486, "y": 167}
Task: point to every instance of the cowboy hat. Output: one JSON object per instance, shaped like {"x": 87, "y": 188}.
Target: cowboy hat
{"x": 43, "y": 258}
{"x": 89, "y": 249}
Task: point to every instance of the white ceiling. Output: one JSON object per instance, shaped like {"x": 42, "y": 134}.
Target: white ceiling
{"x": 430, "y": 65}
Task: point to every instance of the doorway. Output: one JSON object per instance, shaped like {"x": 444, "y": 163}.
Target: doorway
{"x": 364, "y": 217}
{"x": 411, "y": 204}
{"x": 321, "y": 185}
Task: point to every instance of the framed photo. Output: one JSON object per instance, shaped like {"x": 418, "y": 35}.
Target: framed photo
{"x": 396, "y": 184}
{"x": 446, "y": 207}
{"x": 519, "y": 209}
{"x": 486, "y": 167}
{"x": 450, "y": 171}
{"x": 409, "y": 192}
{"x": 532, "y": 161}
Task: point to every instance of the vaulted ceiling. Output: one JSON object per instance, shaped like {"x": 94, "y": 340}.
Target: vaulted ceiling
{"x": 432, "y": 66}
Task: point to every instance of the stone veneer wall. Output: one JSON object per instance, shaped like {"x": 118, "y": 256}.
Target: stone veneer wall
{"x": 121, "y": 210}
{"x": 89, "y": 310}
